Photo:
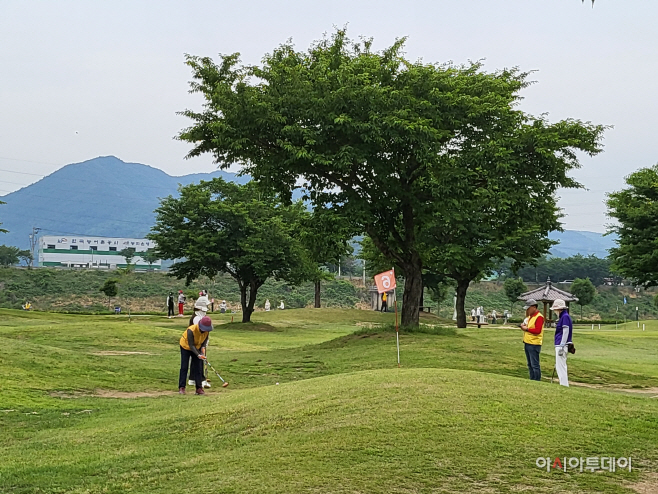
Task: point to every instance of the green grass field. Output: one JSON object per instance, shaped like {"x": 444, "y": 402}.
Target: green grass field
{"x": 79, "y": 414}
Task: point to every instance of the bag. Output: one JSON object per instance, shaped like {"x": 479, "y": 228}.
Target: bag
{"x": 571, "y": 348}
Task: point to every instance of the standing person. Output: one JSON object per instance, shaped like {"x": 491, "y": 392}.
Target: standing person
{"x": 493, "y": 316}
{"x": 267, "y": 305}
{"x": 533, "y": 336}
{"x": 170, "y": 305}
{"x": 222, "y": 307}
{"x": 181, "y": 303}
{"x": 473, "y": 315}
{"x": 384, "y": 302}
{"x": 193, "y": 344}
{"x": 478, "y": 314}
{"x": 563, "y": 335}
{"x": 200, "y": 311}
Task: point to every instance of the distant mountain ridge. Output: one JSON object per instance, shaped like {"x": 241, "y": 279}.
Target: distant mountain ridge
{"x": 106, "y": 196}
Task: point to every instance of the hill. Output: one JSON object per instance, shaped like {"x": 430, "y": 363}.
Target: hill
{"x": 109, "y": 197}
{"x": 103, "y": 196}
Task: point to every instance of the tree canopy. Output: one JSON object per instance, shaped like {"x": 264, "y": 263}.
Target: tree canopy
{"x": 10, "y": 255}
{"x": 416, "y": 154}
{"x": 242, "y": 230}
{"x": 569, "y": 268}
{"x": 636, "y": 211}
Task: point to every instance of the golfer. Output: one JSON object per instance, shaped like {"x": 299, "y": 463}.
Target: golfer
{"x": 170, "y": 305}
{"x": 384, "y": 302}
{"x": 563, "y": 334}
{"x": 533, "y": 335}
{"x": 181, "y": 303}
{"x": 193, "y": 344}
{"x": 200, "y": 311}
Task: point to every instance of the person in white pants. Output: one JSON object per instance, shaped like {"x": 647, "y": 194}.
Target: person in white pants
{"x": 563, "y": 336}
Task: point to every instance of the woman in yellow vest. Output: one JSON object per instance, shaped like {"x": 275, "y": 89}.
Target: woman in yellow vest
{"x": 193, "y": 344}
{"x": 533, "y": 335}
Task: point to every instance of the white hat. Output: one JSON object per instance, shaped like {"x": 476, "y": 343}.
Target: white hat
{"x": 558, "y": 304}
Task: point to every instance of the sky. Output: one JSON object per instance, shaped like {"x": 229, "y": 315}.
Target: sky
{"x": 84, "y": 79}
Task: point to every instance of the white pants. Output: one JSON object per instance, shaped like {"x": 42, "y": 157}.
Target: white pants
{"x": 561, "y": 365}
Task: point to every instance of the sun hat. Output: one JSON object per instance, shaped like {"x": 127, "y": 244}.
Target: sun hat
{"x": 558, "y": 304}
{"x": 205, "y": 324}
{"x": 530, "y": 302}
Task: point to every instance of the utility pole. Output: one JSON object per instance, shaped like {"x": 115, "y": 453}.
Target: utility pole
{"x": 33, "y": 243}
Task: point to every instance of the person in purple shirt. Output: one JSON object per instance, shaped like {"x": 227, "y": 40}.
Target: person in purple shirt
{"x": 563, "y": 335}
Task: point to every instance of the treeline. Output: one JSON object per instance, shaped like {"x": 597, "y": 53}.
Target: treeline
{"x": 566, "y": 269}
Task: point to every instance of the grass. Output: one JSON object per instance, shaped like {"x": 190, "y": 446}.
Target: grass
{"x": 459, "y": 416}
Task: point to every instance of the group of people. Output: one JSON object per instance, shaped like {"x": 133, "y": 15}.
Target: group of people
{"x": 181, "y": 299}
{"x": 533, "y": 337}
{"x": 268, "y": 306}
{"x": 478, "y": 315}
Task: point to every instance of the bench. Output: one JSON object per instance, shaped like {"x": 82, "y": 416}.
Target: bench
{"x": 423, "y": 307}
{"x": 478, "y": 324}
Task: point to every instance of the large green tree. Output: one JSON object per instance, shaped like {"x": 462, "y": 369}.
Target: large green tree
{"x": 636, "y": 211}
{"x": 241, "y": 230}
{"x": 370, "y": 133}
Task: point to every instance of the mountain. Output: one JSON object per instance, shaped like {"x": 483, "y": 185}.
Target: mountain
{"x": 109, "y": 197}
{"x": 103, "y": 196}
{"x": 574, "y": 242}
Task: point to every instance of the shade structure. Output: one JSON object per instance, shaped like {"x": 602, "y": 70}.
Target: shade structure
{"x": 548, "y": 294}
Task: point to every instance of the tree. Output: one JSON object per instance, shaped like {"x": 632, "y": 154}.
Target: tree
{"x": 371, "y": 134}
{"x": 150, "y": 256}
{"x": 570, "y": 268}
{"x": 326, "y": 236}
{"x": 10, "y": 255}
{"x": 242, "y": 230}
{"x": 128, "y": 253}
{"x": 110, "y": 289}
{"x": 585, "y": 291}
{"x": 2, "y": 230}
{"x": 636, "y": 211}
{"x": 513, "y": 288}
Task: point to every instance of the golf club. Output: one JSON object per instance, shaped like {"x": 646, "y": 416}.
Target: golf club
{"x": 210, "y": 365}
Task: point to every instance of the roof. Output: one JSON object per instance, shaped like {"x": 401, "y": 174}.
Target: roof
{"x": 548, "y": 293}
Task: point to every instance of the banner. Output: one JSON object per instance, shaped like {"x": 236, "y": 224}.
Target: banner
{"x": 385, "y": 281}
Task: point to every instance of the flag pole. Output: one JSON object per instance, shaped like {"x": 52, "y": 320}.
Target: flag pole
{"x": 397, "y": 334}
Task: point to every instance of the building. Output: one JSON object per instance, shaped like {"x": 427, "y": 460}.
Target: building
{"x": 83, "y": 251}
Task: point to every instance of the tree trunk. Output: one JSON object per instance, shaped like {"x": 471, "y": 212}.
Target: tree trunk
{"x": 246, "y": 314}
{"x": 253, "y": 291}
{"x": 317, "y": 294}
{"x": 413, "y": 291}
{"x": 462, "y": 287}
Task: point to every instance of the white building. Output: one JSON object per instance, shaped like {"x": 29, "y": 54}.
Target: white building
{"x": 92, "y": 252}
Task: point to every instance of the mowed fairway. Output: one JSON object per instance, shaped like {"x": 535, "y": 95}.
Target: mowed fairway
{"x": 459, "y": 416}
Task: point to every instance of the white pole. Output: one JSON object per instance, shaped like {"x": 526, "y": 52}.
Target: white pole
{"x": 642, "y": 327}
{"x": 592, "y": 327}
{"x": 397, "y": 337}
{"x": 599, "y": 326}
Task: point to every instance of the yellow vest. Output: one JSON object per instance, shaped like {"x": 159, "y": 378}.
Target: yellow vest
{"x": 533, "y": 339}
{"x": 199, "y": 337}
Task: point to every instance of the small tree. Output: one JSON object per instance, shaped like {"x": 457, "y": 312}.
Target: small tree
{"x": 110, "y": 289}
{"x": 150, "y": 256}
{"x": 513, "y": 288}
{"x": 128, "y": 253}
{"x": 585, "y": 291}
{"x": 242, "y": 230}
{"x": 10, "y": 255}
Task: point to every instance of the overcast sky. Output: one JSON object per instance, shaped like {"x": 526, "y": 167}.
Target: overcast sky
{"x": 86, "y": 79}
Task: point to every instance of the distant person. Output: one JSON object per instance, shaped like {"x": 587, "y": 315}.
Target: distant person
{"x": 181, "y": 303}
{"x": 506, "y": 316}
{"x": 212, "y": 305}
{"x": 281, "y": 306}
{"x": 493, "y": 316}
{"x": 384, "y": 302}
{"x": 473, "y": 315}
{"x": 193, "y": 344}
{"x": 478, "y": 314}
{"x": 27, "y": 306}
{"x": 170, "y": 305}
{"x": 222, "y": 307}
{"x": 267, "y": 305}
{"x": 563, "y": 335}
{"x": 533, "y": 335}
